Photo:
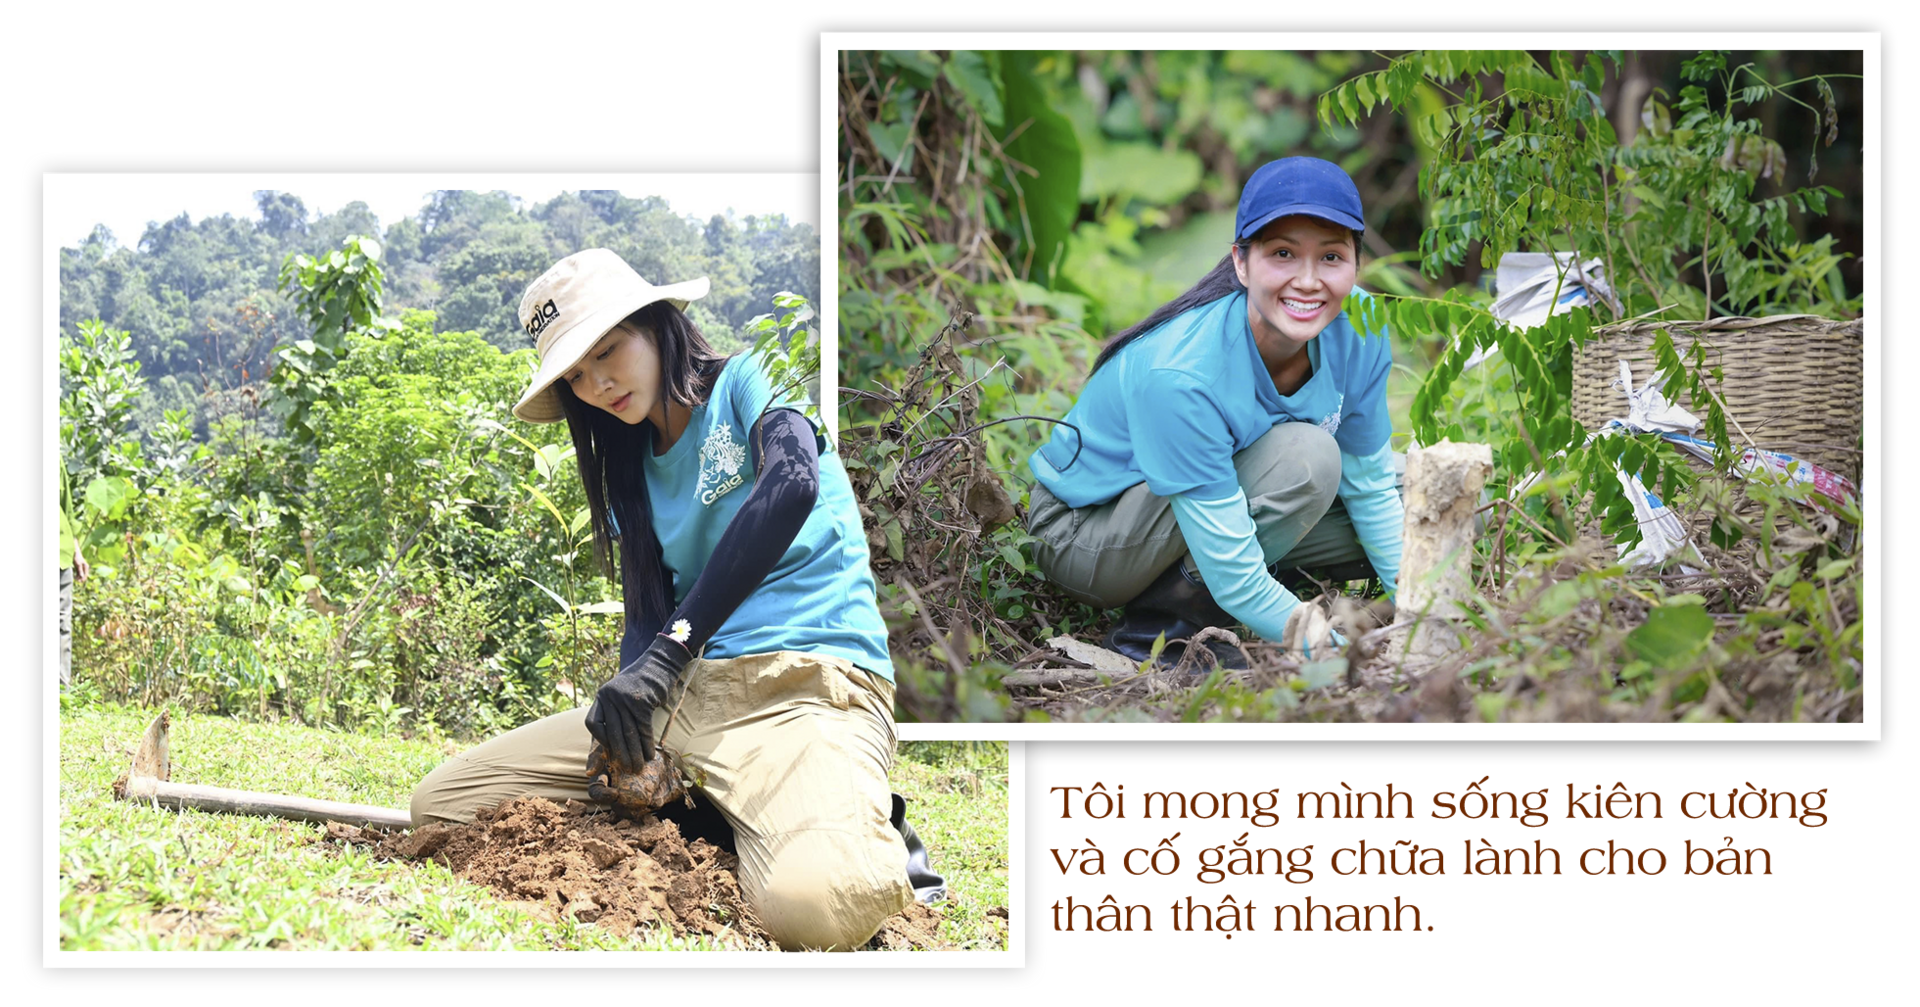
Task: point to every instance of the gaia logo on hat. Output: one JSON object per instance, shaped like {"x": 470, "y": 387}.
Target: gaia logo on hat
{"x": 538, "y": 319}
{"x": 600, "y": 290}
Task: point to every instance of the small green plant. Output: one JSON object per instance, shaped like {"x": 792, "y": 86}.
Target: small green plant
{"x": 339, "y": 292}
{"x": 788, "y": 342}
{"x": 98, "y": 381}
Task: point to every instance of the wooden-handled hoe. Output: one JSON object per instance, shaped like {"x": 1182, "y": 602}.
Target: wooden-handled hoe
{"x": 147, "y": 780}
{"x": 631, "y": 794}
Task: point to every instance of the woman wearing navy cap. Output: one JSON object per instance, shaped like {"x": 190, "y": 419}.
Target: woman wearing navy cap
{"x": 1236, "y": 434}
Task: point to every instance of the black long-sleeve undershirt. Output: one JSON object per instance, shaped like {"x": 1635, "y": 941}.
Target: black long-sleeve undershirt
{"x": 786, "y": 464}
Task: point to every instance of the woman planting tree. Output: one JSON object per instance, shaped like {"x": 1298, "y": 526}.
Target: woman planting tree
{"x": 1237, "y": 434}
{"x": 754, "y": 652}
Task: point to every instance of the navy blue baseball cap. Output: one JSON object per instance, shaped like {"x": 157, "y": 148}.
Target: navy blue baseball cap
{"x": 1297, "y": 185}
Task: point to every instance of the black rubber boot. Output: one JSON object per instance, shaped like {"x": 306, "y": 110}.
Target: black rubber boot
{"x": 927, "y": 886}
{"x": 1305, "y": 583}
{"x": 1176, "y": 606}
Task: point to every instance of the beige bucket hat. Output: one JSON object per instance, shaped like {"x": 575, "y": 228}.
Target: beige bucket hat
{"x": 571, "y": 306}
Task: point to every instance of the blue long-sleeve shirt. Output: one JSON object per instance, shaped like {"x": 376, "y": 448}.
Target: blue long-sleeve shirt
{"x": 1173, "y": 407}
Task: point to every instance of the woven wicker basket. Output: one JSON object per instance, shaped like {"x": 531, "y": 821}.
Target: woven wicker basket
{"x": 1792, "y": 381}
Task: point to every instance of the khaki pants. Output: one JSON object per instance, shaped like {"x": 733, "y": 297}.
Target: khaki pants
{"x": 793, "y": 748}
{"x": 1106, "y": 554}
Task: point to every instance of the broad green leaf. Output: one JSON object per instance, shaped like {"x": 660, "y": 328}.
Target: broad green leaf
{"x": 1800, "y": 594}
{"x": 109, "y": 496}
{"x": 920, "y": 64}
{"x": 548, "y": 458}
{"x": 549, "y": 592}
{"x": 890, "y": 139}
{"x": 968, "y": 71}
{"x": 1320, "y": 674}
{"x": 546, "y": 502}
{"x": 1048, "y": 201}
{"x": 1833, "y": 568}
{"x": 1782, "y": 577}
{"x": 1147, "y": 171}
{"x": 1656, "y": 116}
{"x": 1672, "y": 635}
{"x": 1560, "y": 598}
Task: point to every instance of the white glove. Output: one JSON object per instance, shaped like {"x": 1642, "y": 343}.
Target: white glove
{"x": 1309, "y": 635}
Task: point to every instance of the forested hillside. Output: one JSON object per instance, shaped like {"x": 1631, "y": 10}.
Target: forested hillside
{"x": 200, "y": 298}
{"x": 361, "y": 535}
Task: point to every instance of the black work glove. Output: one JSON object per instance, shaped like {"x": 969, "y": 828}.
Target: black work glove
{"x": 622, "y": 715}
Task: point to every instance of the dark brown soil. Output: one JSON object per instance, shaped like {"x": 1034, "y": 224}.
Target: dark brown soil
{"x": 916, "y": 928}
{"x": 579, "y": 860}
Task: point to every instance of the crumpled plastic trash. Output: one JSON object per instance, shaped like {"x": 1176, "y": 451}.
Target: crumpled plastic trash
{"x": 1662, "y": 533}
{"x": 1648, "y": 410}
{"x": 1754, "y": 462}
{"x": 1525, "y": 285}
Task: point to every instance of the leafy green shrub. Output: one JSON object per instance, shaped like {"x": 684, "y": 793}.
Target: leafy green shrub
{"x": 99, "y": 382}
{"x": 1524, "y": 156}
{"x": 339, "y": 292}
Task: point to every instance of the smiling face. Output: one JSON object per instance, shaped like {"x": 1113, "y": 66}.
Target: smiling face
{"x": 621, "y": 375}
{"x": 1297, "y": 271}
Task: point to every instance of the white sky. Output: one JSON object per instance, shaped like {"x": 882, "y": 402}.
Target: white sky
{"x": 126, "y": 203}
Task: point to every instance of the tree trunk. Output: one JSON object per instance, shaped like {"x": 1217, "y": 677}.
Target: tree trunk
{"x": 1436, "y": 563}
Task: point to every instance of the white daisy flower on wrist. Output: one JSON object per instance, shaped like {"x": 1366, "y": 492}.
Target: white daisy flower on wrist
{"x": 682, "y": 629}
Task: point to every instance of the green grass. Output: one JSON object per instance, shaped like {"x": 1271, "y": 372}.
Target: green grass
{"x": 134, "y": 877}
{"x": 956, "y": 795}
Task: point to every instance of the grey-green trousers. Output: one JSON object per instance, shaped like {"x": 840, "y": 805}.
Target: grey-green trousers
{"x": 1106, "y": 554}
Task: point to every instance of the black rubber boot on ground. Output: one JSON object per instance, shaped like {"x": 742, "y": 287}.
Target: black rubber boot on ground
{"x": 927, "y": 886}
{"x": 1176, "y": 606}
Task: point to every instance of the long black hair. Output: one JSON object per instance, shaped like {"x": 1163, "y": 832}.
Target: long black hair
{"x": 1221, "y": 281}
{"x": 612, "y": 460}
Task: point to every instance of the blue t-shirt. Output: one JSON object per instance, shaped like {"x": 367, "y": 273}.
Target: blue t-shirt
{"x": 820, "y": 596}
{"x": 1174, "y": 406}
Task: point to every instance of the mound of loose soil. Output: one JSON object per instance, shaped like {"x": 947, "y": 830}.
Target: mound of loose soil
{"x": 578, "y": 860}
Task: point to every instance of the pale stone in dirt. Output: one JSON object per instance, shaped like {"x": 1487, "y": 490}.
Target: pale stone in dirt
{"x": 1099, "y": 658}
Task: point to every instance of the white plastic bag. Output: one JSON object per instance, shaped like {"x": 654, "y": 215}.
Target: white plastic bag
{"x": 1525, "y": 286}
